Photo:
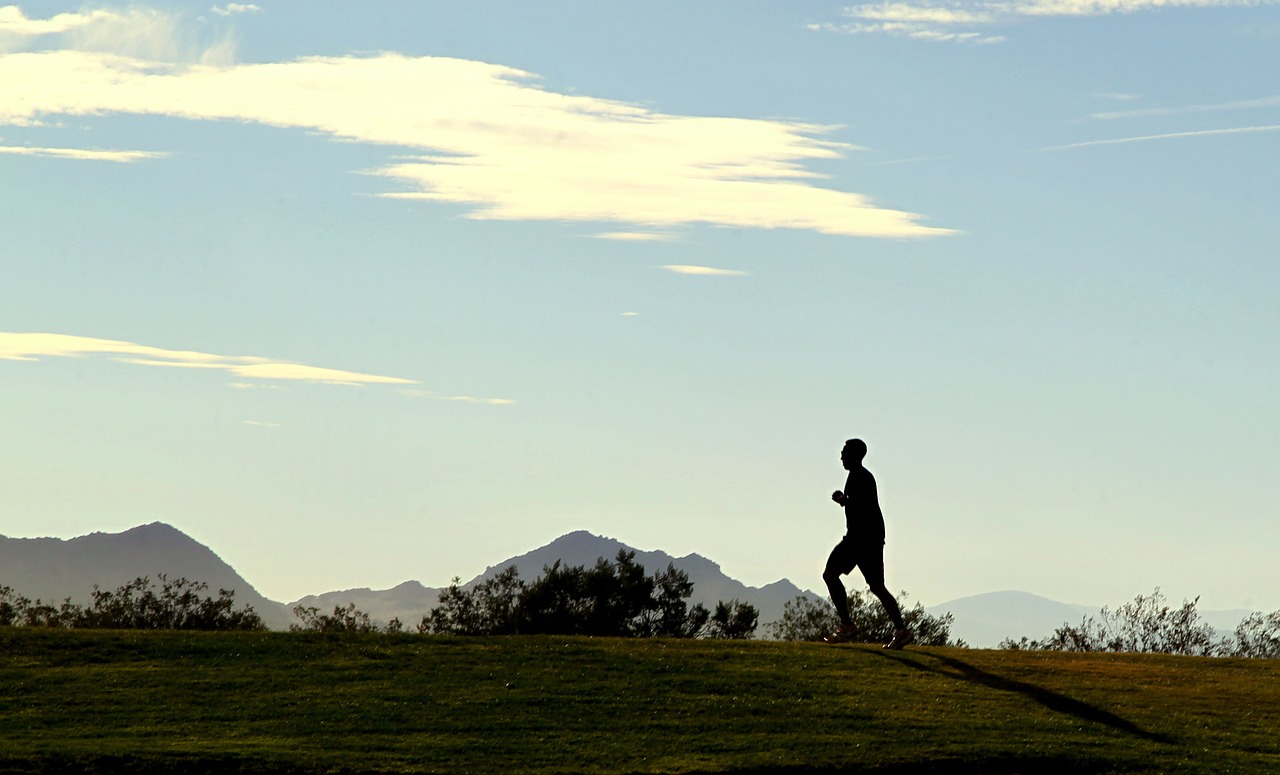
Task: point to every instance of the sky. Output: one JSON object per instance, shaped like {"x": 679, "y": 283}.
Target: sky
{"x": 356, "y": 294}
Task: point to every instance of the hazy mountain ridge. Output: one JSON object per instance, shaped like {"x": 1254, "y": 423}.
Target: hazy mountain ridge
{"x": 710, "y": 584}
{"x": 52, "y": 569}
{"x": 407, "y": 602}
{"x": 410, "y": 600}
{"x": 983, "y": 621}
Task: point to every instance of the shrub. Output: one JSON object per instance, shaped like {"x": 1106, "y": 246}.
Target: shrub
{"x": 343, "y": 620}
{"x": 1145, "y": 625}
{"x": 136, "y": 605}
{"x": 808, "y": 618}
{"x": 614, "y": 599}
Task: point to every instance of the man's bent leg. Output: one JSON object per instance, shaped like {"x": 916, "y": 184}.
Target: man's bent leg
{"x": 839, "y": 597}
{"x": 839, "y": 563}
{"x": 842, "y": 559}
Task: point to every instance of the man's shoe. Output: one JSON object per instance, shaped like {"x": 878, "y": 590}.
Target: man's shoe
{"x": 901, "y": 638}
{"x": 843, "y": 634}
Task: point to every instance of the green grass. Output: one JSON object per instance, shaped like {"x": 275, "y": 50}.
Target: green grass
{"x": 83, "y": 701}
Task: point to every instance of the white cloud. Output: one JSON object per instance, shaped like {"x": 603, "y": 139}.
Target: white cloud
{"x": 954, "y": 21}
{"x": 33, "y": 346}
{"x": 81, "y": 153}
{"x": 705, "y": 271}
{"x": 905, "y": 12}
{"x": 231, "y": 9}
{"x": 486, "y": 136}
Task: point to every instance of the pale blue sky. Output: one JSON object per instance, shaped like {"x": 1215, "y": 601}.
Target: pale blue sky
{"x": 361, "y": 294}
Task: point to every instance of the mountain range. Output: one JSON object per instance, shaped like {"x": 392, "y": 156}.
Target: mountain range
{"x": 53, "y": 569}
{"x": 410, "y": 600}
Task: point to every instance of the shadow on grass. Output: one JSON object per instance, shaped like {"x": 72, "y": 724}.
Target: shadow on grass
{"x": 1059, "y": 703}
{"x": 996, "y": 765}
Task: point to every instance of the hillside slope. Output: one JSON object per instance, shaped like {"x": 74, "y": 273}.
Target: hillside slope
{"x": 79, "y": 701}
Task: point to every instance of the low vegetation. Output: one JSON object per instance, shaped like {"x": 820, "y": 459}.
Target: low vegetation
{"x": 81, "y": 701}
{"x": 805, "y": 618}
{"x": 141, "y": 604}
{"x": 1149, "y": 625}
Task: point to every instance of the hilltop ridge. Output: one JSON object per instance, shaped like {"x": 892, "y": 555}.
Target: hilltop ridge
{"x": 294, "y": 703}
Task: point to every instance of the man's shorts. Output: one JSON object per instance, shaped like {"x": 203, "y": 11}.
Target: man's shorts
{"x": 865, "y": 553}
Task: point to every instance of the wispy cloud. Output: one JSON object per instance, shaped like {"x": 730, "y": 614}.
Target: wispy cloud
{"x": 702, "y": 270}
{"x": 1218, "y": 107}
{"x": 33, "y": 346}
{"x": 14, "y": 22}
{"x": 81, "y": 154}
{"x": 482, "y": 135}
{"x": 461, "y": 399}
{"x": 965, "y": 21}
{"x": 137, "y": 31}
{"x": 635, "y": 236}
{"x": 1240, "y": 130}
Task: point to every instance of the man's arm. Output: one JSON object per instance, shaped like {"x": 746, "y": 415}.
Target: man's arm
{"x": 838, "y": 497}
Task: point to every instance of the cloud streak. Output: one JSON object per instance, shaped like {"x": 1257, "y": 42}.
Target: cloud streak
{"x": 81, "y": 154}
{"x": 33, "y": 346}
{"x": 704, "y": 271}
{"x": 1254, "y": 104}
{"x": 482, "y": 135}
{"x": 460, "y": 399}
{"x": 962, "y": 21}
{"x": 1240, "y": 130}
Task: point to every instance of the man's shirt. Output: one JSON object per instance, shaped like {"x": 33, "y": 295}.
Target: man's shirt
{"x": 862, "y": 515}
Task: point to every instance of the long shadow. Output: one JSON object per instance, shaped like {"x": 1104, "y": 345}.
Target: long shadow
{"x": 1059, "y": 703}
{"x": 998, "y": 765}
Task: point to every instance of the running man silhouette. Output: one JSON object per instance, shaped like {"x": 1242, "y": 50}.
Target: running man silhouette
{"x": 862, "y": 546}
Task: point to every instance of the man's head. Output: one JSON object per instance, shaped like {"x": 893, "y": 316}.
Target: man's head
{"x": 853, "y": 453}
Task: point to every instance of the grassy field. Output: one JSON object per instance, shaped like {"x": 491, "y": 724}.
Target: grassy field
{"x": 83, "y": 701}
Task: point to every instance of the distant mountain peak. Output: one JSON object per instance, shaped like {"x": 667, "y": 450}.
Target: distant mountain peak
{"x": 584, "y": 538}
{"x": 694, "y": 559}
{"x": 55, "y": 568}
{"x": 584, "y": 548}
{"x": 154, "y": 530}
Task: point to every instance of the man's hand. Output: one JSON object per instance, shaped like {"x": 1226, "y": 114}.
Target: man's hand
{"x": 838, "y": 497}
